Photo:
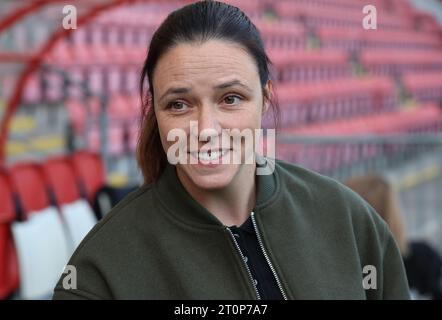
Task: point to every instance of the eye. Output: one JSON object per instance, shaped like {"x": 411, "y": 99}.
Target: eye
{"x": 177, "y": 106}
{"x": 230, "y": 100}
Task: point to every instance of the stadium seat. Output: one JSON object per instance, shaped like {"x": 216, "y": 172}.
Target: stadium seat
{"x": 8, "y": 259}
{"x": 115, "y": 139}
{"x": 29, "y": 183}
{"x": 79, "y": 220}
{"x": 42, "y": 251}
{"x": 88, "y": 168}
{"x": 60, "y": 177}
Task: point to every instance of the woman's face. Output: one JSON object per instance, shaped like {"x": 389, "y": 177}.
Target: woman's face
{"x": 217, "y": 85}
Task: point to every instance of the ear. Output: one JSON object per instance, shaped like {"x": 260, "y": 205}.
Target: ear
{"x": 268, "y": 88}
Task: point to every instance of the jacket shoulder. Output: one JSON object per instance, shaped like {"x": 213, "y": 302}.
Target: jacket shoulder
{"x": 329, "y": 198}
{"x": 117, "y": 231}
{"x": 124, "y": 210}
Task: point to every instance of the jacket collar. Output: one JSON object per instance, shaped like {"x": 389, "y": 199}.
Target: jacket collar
{"x": 172, "y": 194}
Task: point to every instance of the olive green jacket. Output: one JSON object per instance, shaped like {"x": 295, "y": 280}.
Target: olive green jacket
{"x": 159, "y": 243}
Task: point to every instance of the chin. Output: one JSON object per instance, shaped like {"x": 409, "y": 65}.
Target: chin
{"x": 209, "y": 178}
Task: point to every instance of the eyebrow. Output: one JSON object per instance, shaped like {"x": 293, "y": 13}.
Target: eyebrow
{"x": 174, "y": 90}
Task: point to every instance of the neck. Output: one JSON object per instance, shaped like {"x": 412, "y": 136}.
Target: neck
{"x": 232, "y": 204}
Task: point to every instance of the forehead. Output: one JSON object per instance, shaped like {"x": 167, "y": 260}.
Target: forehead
{"x": 203, "y": 64}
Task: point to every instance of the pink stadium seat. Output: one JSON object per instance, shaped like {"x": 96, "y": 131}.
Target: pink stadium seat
{"x": 119, "y": 107}
{"x": 59, "y": 175}
{"x": 55, "y": 87}
{"x": 32, "y": 93}
{"x": 320, "y": 15}
{"x": 358, "y": 38}
{"x": 9, "y": 278}
{"x": 133, "y": 137}
{"x": 60, "y": 55}
{"x": 390, "y": 62}
{"x": 424, "y": 116}
{"x": 89, "y": 170}
{"x": 294, "y": 66}
{"x": 115, "y": 139}
{"x": 96, "y": 79}
{"x": 82, "y": 54}
{"x": 28, "y": 181}
{"x": 77, "y": 114}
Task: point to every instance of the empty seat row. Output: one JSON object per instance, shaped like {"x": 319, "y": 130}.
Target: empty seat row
{"x": 427, "y": 116}
{"x": 325, "y": 156}
{"x": 424, "y": 87}
{"x": 309, "y": 65}
{"x": 327, "y": 100}
{"x": 313, "y": 15}
{"x": 53, "y": 199}
{"x": 351, "y": 39}
{"x": 393, "y": 62}
{"x": 56, "y": 181}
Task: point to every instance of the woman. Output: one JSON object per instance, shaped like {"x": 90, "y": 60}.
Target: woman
{"x": 210, "y": 227}
{"x": 423, "y": 264}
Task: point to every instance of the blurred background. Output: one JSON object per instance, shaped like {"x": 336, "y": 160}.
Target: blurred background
{"x": 354, "y": 103}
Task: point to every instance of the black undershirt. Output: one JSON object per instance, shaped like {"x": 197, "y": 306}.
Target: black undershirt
{"x": 248, "y": 242}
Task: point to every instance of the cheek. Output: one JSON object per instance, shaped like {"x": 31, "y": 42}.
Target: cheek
{"x": 248, "y": 119}
{"x": 180, "y": 131}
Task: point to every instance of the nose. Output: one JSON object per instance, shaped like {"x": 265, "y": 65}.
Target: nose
{"x": 208, "y": 123}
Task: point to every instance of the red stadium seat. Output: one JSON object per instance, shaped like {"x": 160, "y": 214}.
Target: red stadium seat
{"x": 8, "y": 259}
{"x": 29, "y": 183}
{"x": 60, "y": 176}
{"x": 89, "y": 170}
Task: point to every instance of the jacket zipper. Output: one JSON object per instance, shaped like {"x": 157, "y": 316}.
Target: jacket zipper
{"x": 244, "y": 261}
{"x": 267, "y": 257}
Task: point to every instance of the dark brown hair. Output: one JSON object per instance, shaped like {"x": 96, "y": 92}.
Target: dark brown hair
{"x": 379, "y": 193}
{"x": 196, "y": 22}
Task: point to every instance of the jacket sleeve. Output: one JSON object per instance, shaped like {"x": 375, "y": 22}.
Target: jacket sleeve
{"x": 395, "y": 283}
{"x": 62, "y": 294}
{"x": 89, "y": 287}
{"x": 87, "y": 282}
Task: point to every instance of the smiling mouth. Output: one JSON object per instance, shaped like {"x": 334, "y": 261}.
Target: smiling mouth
{"x": 209, "y": 155}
